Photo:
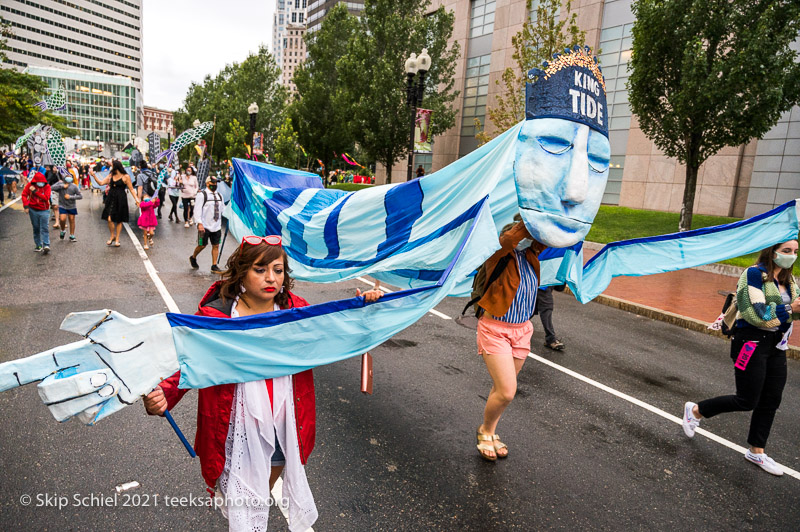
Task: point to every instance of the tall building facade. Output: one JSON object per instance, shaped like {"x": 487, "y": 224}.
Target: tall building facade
{"x": 288, "y": 28}
{"x": 158, "y": 121}
{"x": 318, "y": 9}
{"x": 738, "y": 181}
{"x": 86, "y": 44}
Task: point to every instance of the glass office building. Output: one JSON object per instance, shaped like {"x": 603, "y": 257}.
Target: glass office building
{"x": 98, "y": 105}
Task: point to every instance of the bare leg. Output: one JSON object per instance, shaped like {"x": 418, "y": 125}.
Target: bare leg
{"x": 503, "y": 369}
{"x": 72, "y": 225}
{"x": 198, "y": 249}
{"x": 274, "y": 474}
{"x": 110, "y": 231}
{"x": 119, "y": 229}
{"x": 62, "y": 221}
{"x": 214, "y": 253}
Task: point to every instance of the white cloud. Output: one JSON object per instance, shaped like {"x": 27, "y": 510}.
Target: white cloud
{"x": 183, "y": 41}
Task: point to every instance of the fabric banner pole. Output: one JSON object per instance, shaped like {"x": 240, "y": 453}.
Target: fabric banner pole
{"x": 177, "y": 430}
{"x": 224, "y": 237}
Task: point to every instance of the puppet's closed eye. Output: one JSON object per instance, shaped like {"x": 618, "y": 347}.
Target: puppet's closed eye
{"x": 598, "y": 164}
{"x": 554, "y": 145}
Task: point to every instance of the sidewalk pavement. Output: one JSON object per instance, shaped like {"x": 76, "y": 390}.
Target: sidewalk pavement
{"x": 689, "y": 298}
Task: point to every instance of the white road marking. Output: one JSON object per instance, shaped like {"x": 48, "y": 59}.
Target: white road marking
{"x": 651, "y": 408}
{"x": 277, "y": 494}
{"x": 10, "y": 203}
{"x": 151, "y": 270}
{"x": 388, "y": 291}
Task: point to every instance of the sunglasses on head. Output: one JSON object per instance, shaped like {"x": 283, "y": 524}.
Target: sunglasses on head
{"x": 253, "y": 240}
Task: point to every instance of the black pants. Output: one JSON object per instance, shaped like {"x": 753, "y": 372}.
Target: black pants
{"x": 544, "y": 307}
{"x": 174, "y": 209}
{"x": 188, "y": 209}
{"x": 162, "y": 192}
{"x": 759, "y": 387}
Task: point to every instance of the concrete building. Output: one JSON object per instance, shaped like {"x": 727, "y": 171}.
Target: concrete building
{"x": 93, "y": 44}
{"x": 318, "y": 9}
{"x": 739, "y": 181}
{"x": 159, "y": 121}
{"x": 294, "y": 52}
{"x": 288, "y": 28}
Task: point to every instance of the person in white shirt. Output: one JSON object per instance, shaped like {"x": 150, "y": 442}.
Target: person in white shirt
{"x": 208, "y": 216}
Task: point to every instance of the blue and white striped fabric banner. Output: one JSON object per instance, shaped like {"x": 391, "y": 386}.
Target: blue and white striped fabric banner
{"x": 400, "y": 233}
{"x": 293, "y": 340}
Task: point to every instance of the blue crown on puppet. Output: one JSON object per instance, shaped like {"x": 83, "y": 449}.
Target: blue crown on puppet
{"x": 571, "y": 86}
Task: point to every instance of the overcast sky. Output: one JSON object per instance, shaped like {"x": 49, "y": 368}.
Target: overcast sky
{"x": 186, "y": 39}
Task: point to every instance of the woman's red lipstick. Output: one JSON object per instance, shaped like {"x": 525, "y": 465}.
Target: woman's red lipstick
{"x": 269, "y": 289}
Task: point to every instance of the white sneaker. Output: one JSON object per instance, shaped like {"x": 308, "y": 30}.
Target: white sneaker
{"x": 690, "y": 423}
{"x": 764, "y": 462}
{"x": 186, "y": 224}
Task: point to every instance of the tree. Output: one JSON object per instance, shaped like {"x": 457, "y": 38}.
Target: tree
{"x": 321, "y": 110}
{"x": 18, "y": 93}
{"x": 228, "y": 95}
{"x": 711, "y": 73}
{"x": 286, "y": 147}
{"x": 235, "y": 140}
{"x": 540, "y": 37}
{"x": 373, "y": 74}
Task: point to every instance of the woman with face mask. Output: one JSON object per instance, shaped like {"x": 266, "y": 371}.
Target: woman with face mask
{"x": 767, "y": 302}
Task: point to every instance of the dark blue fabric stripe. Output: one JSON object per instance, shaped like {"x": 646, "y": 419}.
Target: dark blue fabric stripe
{"x": 422, "y": 275}
{"x": 556, "y": 253}
{"x": 397, "y": 247}
{"x": 694, "y": 232}
{"x": 273, "y": 176}
{"x": 331, "y": 233}
{"x": 279, "y": 317}
{"x": 403, "y": 204}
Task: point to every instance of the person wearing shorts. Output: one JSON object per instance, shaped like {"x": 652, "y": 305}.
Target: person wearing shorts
{"x": 208, "y": 215}
{"x": 505, "y": 329}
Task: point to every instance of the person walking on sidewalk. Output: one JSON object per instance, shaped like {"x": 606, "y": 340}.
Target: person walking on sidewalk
{"x": 505, "y": 329}
{"x": 147, "y": 219}
{"x": 68, "y": 192}
{"x": 766, "y": 297}
{"x": 36, "y": 202}
{"x": 208, "y": 215}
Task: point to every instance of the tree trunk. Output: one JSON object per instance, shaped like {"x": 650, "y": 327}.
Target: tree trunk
{"x": 689, "y": 189}
{"x": 389, "y": 157}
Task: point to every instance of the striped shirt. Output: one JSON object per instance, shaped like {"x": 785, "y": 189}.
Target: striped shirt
{"x": 524, "y": 301}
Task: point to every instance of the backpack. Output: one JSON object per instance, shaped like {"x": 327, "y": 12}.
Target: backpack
{"x": 480, "y": 284}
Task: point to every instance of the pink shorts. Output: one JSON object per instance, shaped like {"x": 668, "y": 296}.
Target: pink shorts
{"x": 501, "y": 338}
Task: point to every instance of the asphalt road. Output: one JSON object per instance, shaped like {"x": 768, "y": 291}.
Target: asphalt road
{"x": 403, "y": 458}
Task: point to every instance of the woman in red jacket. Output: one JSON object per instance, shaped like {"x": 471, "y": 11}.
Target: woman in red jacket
{"x": 239, "y": 459}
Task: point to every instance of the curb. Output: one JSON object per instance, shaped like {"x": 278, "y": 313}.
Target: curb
{"x": 670, "y": 317}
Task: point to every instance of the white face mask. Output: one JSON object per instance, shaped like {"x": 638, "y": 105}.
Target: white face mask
{"x": 784, "y": 261}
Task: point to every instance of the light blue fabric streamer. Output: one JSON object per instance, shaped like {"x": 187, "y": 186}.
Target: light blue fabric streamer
{"x": 215, "y": 351}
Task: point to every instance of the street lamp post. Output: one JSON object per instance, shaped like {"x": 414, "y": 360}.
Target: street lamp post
{"x": 414, "y": 92}
{"x": 97, "y": 138}
{"x": 252, "y": 110}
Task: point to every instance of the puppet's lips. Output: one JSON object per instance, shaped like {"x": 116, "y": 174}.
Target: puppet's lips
{"x": 564, "y": 222}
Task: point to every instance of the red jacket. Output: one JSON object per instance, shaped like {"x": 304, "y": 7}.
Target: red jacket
{"x": 214, "y": 404}
{"x": 34, "y": 197}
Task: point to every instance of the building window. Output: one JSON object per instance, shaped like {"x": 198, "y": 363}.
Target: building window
{"x": 616, "y": 44}
{"x": 482, "y": 17}
{"x": 294, "y": 17}
{"x": 301, "y": 18}
{"x": 476, "y": 87}
{"x": 280, "y": 19}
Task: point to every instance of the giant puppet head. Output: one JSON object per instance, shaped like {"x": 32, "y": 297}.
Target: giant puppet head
{"x": 562, "y": 155}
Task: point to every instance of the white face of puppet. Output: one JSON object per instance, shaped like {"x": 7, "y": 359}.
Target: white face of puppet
{"x": 560, "y": 169}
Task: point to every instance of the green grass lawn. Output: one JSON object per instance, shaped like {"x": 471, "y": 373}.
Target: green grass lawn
{"x": 349, "y": 187}
{"x": 621, "y": 223}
